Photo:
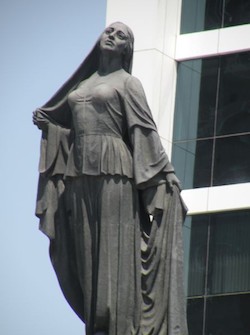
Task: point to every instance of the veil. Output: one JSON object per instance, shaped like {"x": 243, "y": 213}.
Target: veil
{"x": 57, "y": 106}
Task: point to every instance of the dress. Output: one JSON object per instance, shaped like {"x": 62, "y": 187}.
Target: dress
{"x": 93, "y": 202}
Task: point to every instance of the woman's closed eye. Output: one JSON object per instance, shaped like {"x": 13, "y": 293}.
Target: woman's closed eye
{"x": 121, "y": 35}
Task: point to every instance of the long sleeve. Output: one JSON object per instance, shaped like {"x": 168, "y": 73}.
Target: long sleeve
{"x": 54, "y": 150}
{"x": 149, "y": 157}
{"x": 53, "y": 159}
{"x": 162, "y": 250}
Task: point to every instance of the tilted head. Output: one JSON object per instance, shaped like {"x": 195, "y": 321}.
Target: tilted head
{"x": 118, "y": 38}
{"x": 57, "y": 105}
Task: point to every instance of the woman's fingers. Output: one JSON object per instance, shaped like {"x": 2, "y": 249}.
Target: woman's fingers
{"x": 40, "y": 121}
{"x": 173, "y": 181}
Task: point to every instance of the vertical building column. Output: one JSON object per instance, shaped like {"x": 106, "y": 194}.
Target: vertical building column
{"x": 155, "y": 24}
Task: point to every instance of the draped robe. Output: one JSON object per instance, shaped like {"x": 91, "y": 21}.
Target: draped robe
{"x": 102, "y": 172}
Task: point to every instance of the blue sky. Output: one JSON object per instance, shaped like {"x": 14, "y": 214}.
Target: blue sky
{"x": 42, "y": 43}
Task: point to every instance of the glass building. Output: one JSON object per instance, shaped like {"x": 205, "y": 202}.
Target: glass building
{"x": 193, "y": 58}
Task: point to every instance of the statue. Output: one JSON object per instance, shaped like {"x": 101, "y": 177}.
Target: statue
{"x": 108, "y": 198}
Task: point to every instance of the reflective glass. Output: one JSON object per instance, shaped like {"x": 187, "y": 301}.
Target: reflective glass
{"x": 232, "y": 160}
{"x": 228, "y": 315}
{"x": 207, "y": 97}
{"x": 187, "y": 100}
{"x": 229, "y": 253}
{"x": 219, "y": 274}
{"x": 236, "y": 12}
{"x": 200, "y": 15}
{"x": 192, "y": 161}
{"x": 195, "y": 309}
{"x": 212, "y": 104}
{"x": 234, "y": 99}
{"x": 198, "y": 255}
{"x": 196, "y": 99}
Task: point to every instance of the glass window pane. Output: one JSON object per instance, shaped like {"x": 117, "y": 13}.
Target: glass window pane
{"x": 187, "y": 100}
{"x": 232, "y": 160}
{"x": 198, "y": 255}
{"x": 234, "y": 99}
{"x": 195, "y": 309}
{"x": 228, "y": 315}
{"x": 229, "y": 253}
{"x": 214, "y": 13}
{"x": 203, "y": 163}
{"x": 200, "y": 84}
{"x": 196, "y": 99}
{"x": 198, "y": 15}
{"x": 192, "y": 161}
{"x": 183, "y": 159}
{"x": 207, "y": 97}
{"x": 236, "y": 12}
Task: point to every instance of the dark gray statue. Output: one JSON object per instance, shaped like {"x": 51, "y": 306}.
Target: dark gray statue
{"x": 108, "y": 198}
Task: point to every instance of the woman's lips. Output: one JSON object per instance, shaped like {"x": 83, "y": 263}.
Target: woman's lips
{"x": 109, "y": 42}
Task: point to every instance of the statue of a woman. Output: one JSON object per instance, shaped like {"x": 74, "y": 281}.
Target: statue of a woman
{"x": 109, "y": 200}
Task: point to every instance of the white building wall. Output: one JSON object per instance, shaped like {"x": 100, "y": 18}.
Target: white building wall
{"x": 155, "y": 24}
{"x": 158, "y": 45}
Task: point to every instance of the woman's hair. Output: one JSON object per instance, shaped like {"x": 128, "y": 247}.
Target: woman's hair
{"x": 128, "y": 56}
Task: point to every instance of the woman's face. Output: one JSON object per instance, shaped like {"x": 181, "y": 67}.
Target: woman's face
{"x": 114, "y": 39}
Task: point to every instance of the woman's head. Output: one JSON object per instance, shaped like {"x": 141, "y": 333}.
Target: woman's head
{"x": 118, "y": 38}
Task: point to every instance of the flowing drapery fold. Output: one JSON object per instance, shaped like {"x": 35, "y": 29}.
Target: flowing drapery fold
{"x": 120, "y": 272}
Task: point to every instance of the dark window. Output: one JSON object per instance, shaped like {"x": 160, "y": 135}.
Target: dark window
{"x": 227, "y": 315}
{"x": 212, "y": 121}
{"x": 193, "y": 162}
{"x": 231, "y": 160}
{"x": 218, "y": 274}
{"x": 236, "y": 12}
{"x": 199, "y": 15}
{"x": 195, "y": 310}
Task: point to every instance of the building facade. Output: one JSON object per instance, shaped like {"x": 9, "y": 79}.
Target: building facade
{"x": 193, "y": 58}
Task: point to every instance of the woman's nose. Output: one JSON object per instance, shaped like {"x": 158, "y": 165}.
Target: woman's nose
{"x": 111, "y": 35}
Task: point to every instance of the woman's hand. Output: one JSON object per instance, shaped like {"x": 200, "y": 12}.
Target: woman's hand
{"x": 40, "y": 121}
{"x": 173, "y": 180}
